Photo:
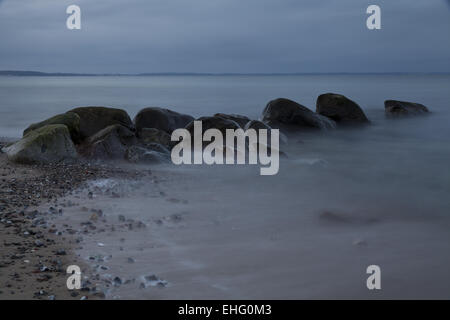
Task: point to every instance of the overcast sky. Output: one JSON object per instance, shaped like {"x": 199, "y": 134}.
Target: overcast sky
{"x": 247, "y": 36}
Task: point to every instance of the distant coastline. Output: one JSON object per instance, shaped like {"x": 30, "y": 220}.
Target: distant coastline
{"x": 19, "y": 73}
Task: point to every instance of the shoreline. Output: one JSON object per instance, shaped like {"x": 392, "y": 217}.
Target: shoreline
{"x": 34, "y": 253}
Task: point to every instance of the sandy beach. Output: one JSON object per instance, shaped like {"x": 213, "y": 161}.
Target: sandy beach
{"x": 34, "y": 251}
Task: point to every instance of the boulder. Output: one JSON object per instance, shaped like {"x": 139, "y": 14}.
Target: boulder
{"x": 288, "y": 114}
{"x": 110, "y": 143}
{"x": 47, "y": 144}
{"x": 401, "y": 108}
{"x": 153, "y": 135}
{"x": 340, "y": 109}
{"x": 214, "y": 123}
{"x": 94, "y": 119}
{"x": 241, "y": 120}
{"x": 158, "y": 148}
{"x": 162, "y": 119}
{"x": 257, "y": 125}
{"x": 137, "y": 154}
{"x": 69, "y": 119}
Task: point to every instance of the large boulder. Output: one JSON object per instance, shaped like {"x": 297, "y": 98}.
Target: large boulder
{"x": 288, "y": 114}
{"x": 110, "y": 143}
{"x": 94, "y": 119}
{"x": 257, "y": 125}
{"x": 340, "y": 109}
{"x": 161, "y": 119}
{"x": 219, "y": 123}
{"x": 47, "y": 144}
{"x": 69, "y": 119}
{"x": 153, "y": 135}
{"x": 402, "y": 108}
{"x": 241, "y": 120}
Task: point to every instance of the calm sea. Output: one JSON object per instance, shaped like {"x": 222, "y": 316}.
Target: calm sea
{"x": 243, "y": 235}
{"x": 24, "y": 100}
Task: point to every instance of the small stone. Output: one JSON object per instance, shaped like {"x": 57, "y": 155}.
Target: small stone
{"x": 117, "y": 281}
{"x": 61, "y": 252}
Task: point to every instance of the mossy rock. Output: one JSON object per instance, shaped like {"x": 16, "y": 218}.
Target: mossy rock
{"x": 94, "y": 119}
{"x": 395, "y": 108}
{"x": 109, "y": 143}
{"x": 341, "y": 109}
{"x": 48, "y": 144}
{"x": 69, "y": 119}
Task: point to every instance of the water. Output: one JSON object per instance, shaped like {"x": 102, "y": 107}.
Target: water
{"x": 24, "y": 100}
{"x": 241, "y": 235}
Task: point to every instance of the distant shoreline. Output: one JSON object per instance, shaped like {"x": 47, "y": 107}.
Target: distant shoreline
{"x": 18, "y": 73}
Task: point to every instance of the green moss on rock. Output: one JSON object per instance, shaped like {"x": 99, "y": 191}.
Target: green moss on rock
{"x": 69, "y": 119}
{"x": 47, "y": 144}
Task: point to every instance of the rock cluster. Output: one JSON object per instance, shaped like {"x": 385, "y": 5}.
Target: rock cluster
{"x": 109, "y": 133}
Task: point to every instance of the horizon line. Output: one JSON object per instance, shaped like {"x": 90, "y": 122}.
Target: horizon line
{"x": 67, "y": 74}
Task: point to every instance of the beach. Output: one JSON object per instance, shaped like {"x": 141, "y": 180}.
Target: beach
{"x": 210, "y": 232}
{"x": 35, "y": 252}
{"x": 344, "y": 198}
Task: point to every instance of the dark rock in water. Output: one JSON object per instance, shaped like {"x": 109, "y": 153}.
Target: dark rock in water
{"x": 340, "y": 109}
{"x": 160, "y": 118}
{"x": 257, "y": 125}
{"x": 110, "y": 143}
{"x": 153, "y": 135}
{"x": 48, "y": 144}
{"x": 69, "y": 119}
{"x": 138, "y": 154}
{"x": 94, "y": 119}
{"x": 402, "y": 108}
{"x": 214, "y": 123}
{"x": 218, "y": 123}
{"x": 241, "y": 120}
{"x": 288, "y": 114}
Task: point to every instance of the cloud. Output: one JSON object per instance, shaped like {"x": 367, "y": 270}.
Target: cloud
{"x": 224, "y": 36}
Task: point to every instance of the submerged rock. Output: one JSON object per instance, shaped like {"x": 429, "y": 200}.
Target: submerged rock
{"x": 257, "y": 125}
{"x": 69, "y": 119}
{"x": 110, "y": 143}
{"x": 241, "y": 120}
{"x": 403, "y": 108}
{"x": 160, "y": 118}
{"x": 94, "y": 119}
{"x": 48, "y": 144}
{"x": 340, "y": 109}
{"x": 289, "y": 114}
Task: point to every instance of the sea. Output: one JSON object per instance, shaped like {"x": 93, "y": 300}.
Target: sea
{"x": 343, "y": 199}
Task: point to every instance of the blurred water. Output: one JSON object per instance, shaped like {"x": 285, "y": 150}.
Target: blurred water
{"x": 239, "y": 230}
{"x": 24, "y": 100}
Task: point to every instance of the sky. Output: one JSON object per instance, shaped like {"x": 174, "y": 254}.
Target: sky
{"x": 225, "y": 36}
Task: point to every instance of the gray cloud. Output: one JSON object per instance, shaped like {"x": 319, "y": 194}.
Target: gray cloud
{"x": 224, "y": 36}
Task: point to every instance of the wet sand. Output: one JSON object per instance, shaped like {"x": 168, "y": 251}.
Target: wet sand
{"x": 34, "y": 252}
{"x": 227, "y": 233}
